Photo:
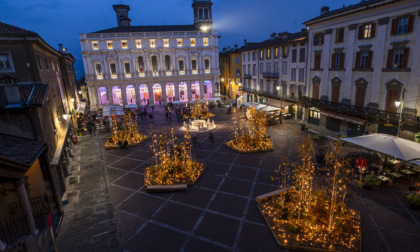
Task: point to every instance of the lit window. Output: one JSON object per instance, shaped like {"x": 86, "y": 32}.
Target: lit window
{"x": 52, "y": 63}
{"x": 124, "y": 44}
{"x": 276, "y": 52}
{"x": 166, "y": 42}
{"x": 261, "y": 54}
{"x": 206, "y": 41}
{"x": 367, "y": 31}
{"x": 179, "y": 42}
{"x": 152, "y": 43}
{"x": 192, "y": 41}
{"x": 5, "y": 62}
{"x": 268, "y": 53}
{"x": 95, "y": 45}
{"x": 138, "y": 43}
{"x": 109, "y": 45}
{"x": 397, "y": 58}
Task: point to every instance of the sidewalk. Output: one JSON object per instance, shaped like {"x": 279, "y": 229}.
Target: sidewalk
{"x": 88, "y": 222}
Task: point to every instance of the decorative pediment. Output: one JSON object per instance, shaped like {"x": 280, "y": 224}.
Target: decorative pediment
{"x": 361, "y": 82}
{"x": 110, "y": 56}
{"x": 336, "y": 81}
{"x": 316, "y": 79}
{"x": 394, "y": 83}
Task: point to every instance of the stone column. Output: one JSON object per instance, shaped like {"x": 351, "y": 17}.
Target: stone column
{"x": 123, "y": 95}
{"x": 151, "y": 95}
{"x": 176, "y": 90}
{"x": 109, "y": 94}
{"x": 189, "y": 90}
{"x": 137, "y": 90}
{"x": 163, "y": 93}
{"x": 324, "y": 89}
{"x": 25, "y": 206}
{"x": 92, "y": 97}
{"x": 201, "y": 89}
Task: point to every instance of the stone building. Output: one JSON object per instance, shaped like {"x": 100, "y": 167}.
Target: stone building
{"x": 152, "y": 64}
{"x": 362, "y": 58}
{"x": 37, "y": 91}
{"x": 231, "y": 73}
{"x": 274, "y": 71}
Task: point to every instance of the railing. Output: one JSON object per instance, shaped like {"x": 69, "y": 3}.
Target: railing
{"x": 271, "y": 75}
{"x": 247, "y": 76}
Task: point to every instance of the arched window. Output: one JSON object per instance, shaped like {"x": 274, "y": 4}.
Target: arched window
{"x": 168, "y": 63}
{"x": 154, "y": 64}
{"x": 200, "y": 13}
{"x": 140, "y": 61}
{"x": 103, "y": 96}
{"x": 206, "y": 13}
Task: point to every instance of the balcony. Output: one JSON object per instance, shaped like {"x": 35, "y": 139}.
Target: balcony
{"x": 181, "y": 72}
{"x": 207, "y": 71}
{"x": 114, "y": 76}
{"x": 194, "y": 72}
{"x": 168, "y": 73}
{"x": 128, "y": 76}
{"x": 99, "y": 77}
{"x": 247, "y": 76}
{"x": 271, "y": 75}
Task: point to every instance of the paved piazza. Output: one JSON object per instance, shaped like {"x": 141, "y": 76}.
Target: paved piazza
{"x": 220, "y": 213}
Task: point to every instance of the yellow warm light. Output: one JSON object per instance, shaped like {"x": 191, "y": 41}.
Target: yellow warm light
{"x": 204, "y": 28}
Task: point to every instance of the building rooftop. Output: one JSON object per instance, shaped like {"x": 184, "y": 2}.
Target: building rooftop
{"x": 32, "y": 95}
{"x": 10, "y": 30}
{"x": 274, "y": 41}
{"x": 21, "y": 150}
{"x": 153, "y": 28}
{"x": 364, "y": 3}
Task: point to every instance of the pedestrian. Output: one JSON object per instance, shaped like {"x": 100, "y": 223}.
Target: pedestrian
{"x": 170, "y": 116}
{"x": 211, "y": 137}
{"x": 153, "y": 108}
{"x": 160, "y": 103}
{"x": 93, "y": 127}
{"x": 194, "y": 141}
{"x": 167, "y": 115}
{"x": 89, "y": 127}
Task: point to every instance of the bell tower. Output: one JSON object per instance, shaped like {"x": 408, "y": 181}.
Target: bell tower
{"x": 203, "y": 14}
{"x": 122, "y": 14}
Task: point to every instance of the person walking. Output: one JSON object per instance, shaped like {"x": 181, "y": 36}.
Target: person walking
{"x": 167, "y": 115}
{"x": 89, "y": 127}
{"x": 93, "y": 127}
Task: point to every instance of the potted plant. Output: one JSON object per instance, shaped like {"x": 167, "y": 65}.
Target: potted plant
{"x": 371, "y": 180}
{"x": 80, "y": 131}
{"x": 414, "y": 199}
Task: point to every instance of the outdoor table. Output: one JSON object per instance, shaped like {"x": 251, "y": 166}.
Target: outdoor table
{"x": 393, "y": 162}
{"x": 407, "y": 172}
{"x": 416, "y": 169}
{"x": 383, "y": 179}
{"x": 396, "y": 175}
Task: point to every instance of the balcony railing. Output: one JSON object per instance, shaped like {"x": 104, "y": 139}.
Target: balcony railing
{"x": 247, "y": 76}
{"x": 271, "y": 75}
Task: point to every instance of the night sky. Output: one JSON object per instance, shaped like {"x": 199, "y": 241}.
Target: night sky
{"x": 60, "y": 21}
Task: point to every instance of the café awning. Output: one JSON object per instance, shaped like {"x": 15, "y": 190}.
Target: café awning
{"x": 345, "y": 118}
{"x": 277, "y": 103}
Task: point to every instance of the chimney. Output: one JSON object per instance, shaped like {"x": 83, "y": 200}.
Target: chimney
{"x": 273, "y": 36}
{"x": 224, "y": 49}
{"x": 60, "y": 47}
{"x": 229, "y": 48}
{"x": 245, "y": 42}
{"x": 236, "y": 47}
{"x": 12, "y": 95}
{"x": 284, "y": 35}
{"x": 324, "y": 9}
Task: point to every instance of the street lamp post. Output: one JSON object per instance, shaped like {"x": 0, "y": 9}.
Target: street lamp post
{"x": 397, "y": 104}
{"x": 279, "y": 87}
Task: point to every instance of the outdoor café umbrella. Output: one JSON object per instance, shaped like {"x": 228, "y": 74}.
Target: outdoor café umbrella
{"x": 270, "y": 109}
{"x": 249, "y": 104}
{"x": 390, "y": 145}
{"x": 131, "y": 106}
{"x": 260, "y": 106}
{"x": 113, "y": 110}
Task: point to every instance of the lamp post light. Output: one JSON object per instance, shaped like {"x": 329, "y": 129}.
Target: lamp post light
{"x": 397, "y": 104}
{"x": 279, "y": 87}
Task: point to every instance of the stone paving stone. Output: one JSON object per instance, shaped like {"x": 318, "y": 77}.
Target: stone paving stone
{"x": 209, "y": 180}
{"x": 127, "y": 164}
{"x": 141, "y": 205}
{"x": 236, "y": 186}
{"x": 194, "y": 196}
{"x": 402, "y": 242}
{"x": 119, "y": 194}
{"x": 139, "y": 155}
{"x": 201, "y": 154}
{"x": 140, "y": 168}
{"x": 227, "y": 150}
{"x": 157, "y": 238}
{"x": 131, "y": 180}
{"x": 371, "y": 240}
{"x": 242, "y": 173}
{"x": 261, "y": 189}
{"x": 109, "y": 159}
{"x": 217, "y": 168}
{"x": 251, "y": 161}
{"x": 254, "y": 214}
{"x": 196, "y": 244}
{"x": 178, "y": 216}
{"x": 113, "y": 174}
{"x": 393, "y": 219}
{"x": 218, "y": 228}
{"x": 265, "y": 177}
{"x": 228, "y": 204}
{"x": 130, "y": 223}
{"x": 270, "y": 163}
{"x": 257, "y": 238}
{"x": 223, "y": 157}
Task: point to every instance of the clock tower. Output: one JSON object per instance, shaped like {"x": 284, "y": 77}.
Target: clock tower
{"x": 203, "y": 14}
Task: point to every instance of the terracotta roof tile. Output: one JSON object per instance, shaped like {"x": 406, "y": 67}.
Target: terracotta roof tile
{"x": 10, "y": 30}
{"x": 35, "y": 92}
{"x": 20, "y": 149}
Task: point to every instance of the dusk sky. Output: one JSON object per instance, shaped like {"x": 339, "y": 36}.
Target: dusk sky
{"x": 60, "y": 21}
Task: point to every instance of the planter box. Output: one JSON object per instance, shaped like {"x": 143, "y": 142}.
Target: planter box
{"x": 244, "y": 152}
{"x": 115, "y": 146}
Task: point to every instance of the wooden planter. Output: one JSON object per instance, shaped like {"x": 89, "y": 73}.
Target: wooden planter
{"x": 244, "y": 152}
{"x": 115, "y": 146}
{"x": 272, "y": 195}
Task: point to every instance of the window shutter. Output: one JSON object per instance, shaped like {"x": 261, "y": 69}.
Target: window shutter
{"x": 357, "y": 63}
{"x": 314, "y": 42}
{"x": 410, "y": 24}
{"x": 405, "y": 58}
{"x": 394, "y": 27}
{"x": 372, "y": 33}
{"x": 342, "y": 61}
{"x": 322, "y": 38}
{"x": 341, "y": 37}
{"x": 389, "y": 60}
{"x": 361, "y": 32}
{"x": 333, "y": 61}
{"x": 369, "y": 60}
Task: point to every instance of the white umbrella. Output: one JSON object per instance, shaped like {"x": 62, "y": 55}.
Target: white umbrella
{"x": 391, "y": 145}
{"x": 260, "y": 106}
{"x": 249, "y": 104}
{"x": 113, "y": 110}
{"x": 178, "y": 102}
{"x": 270, "y": 109}
{"x": 131, "y": 106}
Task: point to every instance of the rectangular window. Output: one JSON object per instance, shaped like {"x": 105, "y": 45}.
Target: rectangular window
{"x": 268, "y": 55}
{"x": 249, "y": 56}
{"x": 397, "y": 58}
{"x": 124, "y": 44}
{"x": 238, "y": 72}
{"x": 301, "y": 74}
{"x": 284, "y": 68}
{"x": 206, "y": 41}
{"x": 127, "y": 68}
{"x": 261, "y": 54}
{"x": 276, "y": 52}
{"x": 317, "y": 62}
{"x": 261, "y": 68}
{"x": 192, "y": 42}
{"x": 402, "y": 25}
{"x": 249, "y": 69}
{"x": 207, "y": 64}
{"x": 166, "y": 43}
{"x": 98, "y": 68}
{"x": 179, "y": 42}
{"x": 238, "y": 60}
{"x": 339, "y": 35}
{"x": 181, "y": 65}
{"x": 254, "y": 69}
{"x": 39, "y": 62}
{"x": 268, "y": 67}
{"x": 364, "y": 55}
{"x": 138, "y": 43}
{"x": 244, "y": 57}
{"x": 254, "y": 56}
{"x": 285, "y": 51}
{"x": 276, "y": 67}
{"x": 284, "y": 89}
{"x": 95, "y": 45}
{"x": 319, "y": 38}
{"x": 152, "y": 43}
{"x": 367, "y": 31}
{"x": 53, "y": 67}
{"x": 194, "y": 65}
{"x": 294, "y": 55}
{"x": 337, "y": 61}
{"x": 46, "y": 63}
{"x": 109, "y": 45}
{"x": 302, "y": 55}
{"x": 293, "y": 75}
{"x": 113, "y": 68}
{"x": 244, "y": 69}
